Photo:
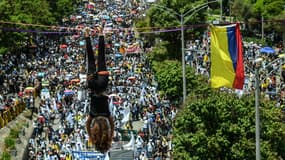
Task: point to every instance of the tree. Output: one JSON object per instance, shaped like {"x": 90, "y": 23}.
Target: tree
{"x": 36, "y": 12}
{"x": 169, "y": 77}
{"x": 168, "y": 74}
{"x": 242, "y": 10}
{"x": 276, "y": 11}
{"x": 159, "y": 18}
{"x": 159, "y": 52}
{"x": 221, "y": 126}
{"x": 62, "y": 8}
{"x": 272, "y": 11}
{"x": 279, "y": 25}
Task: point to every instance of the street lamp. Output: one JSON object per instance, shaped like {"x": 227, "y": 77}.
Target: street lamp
{"x": 257, "y": 95}
{"x": 257, "y": 116}
{"x": 280, "y": 57}
{"x": 182, "y": 22}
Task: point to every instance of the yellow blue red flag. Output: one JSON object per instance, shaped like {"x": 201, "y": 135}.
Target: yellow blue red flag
{"x": 227, "y": 69}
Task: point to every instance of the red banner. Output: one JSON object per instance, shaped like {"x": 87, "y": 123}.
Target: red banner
{"x": 135, "y": 48}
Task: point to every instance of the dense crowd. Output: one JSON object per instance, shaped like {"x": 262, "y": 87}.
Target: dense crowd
{"x": 55, "y": 75}
{"x": 51, "y": 81}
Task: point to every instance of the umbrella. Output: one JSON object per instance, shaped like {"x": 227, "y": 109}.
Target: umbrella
{"x": 63, "y": 46}
{"x": 105, "y": 17}
{"x": 68, "y": 92}
{"x": 119, "y": 19}
{"x": 132, "y": 78}
{"x": 81, "y": 43}
{"x": 20, "y": 94}
{"x": 117, "y": 45}
{"x": 75, "y": 80}
{"x": 29, "y": 89}
{"x": 84, "y": 13}
{"x": 41, "y": 74}
{"x": 267, "y": 50}
{"x": 96, "y": 19}
{"x": 89, "y": 6}
{"x": 45, "y": 90}
{"x": 118, "y": 55}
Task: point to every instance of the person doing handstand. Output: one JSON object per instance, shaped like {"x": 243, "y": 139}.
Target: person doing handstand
{"x": 100, "y": 123}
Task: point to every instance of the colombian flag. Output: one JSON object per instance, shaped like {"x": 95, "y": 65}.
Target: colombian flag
{"x": 227, "y": 68}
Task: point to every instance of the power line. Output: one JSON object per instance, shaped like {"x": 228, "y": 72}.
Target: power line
{"x": 72, "y": 30}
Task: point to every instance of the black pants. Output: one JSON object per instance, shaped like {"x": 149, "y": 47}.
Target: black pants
{"x": 98, "y": 83}
{"x": 91, "y": 57}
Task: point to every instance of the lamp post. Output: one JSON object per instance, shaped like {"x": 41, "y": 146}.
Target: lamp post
{"x": 280, "y": 61}
{"x": 280, "y": 57}
{"x": 257, "y": 95}
{"x": 257, "y": 116}
{"x": 182, "y": 22}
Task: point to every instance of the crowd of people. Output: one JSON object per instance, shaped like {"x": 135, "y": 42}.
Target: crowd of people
{"x": 52, "y": 82}
{"x": 55, "y": 75}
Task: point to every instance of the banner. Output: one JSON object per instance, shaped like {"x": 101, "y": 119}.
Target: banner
{"x": 86, "y": 155}
{"x": 132, "y": 49}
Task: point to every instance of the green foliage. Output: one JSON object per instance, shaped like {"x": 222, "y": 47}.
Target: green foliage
{"x": 18, "y": 11}
{"x": 33, "y": 11}
{"x": 166, "y": 14}
{"x": 251, "y": 12}
{"x": 5, "y": 156}
{"x": 159, "y": 52}
{"x": 222, "y": 126}
{"x": 254, "y": 40}
{"x": 169, "y": 77}
{"x": 62, "y": 8}
{"x": 3, "y": 50}
{"x": 242, "y": 10}
{"x": 36, "y": 12}
{"x": 14, "y": 132}
{"x": 9, "y": 142}
{"x": 11, "y": 139}
{"x": 268, "y": 8}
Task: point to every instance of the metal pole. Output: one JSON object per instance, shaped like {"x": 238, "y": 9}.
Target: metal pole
{"x": 221, "y": 5}
{"x": 257, "y": 118}
{"x": 183, "y": 58}
{"x": 230, "y": 10}
{"x": 278, "y": 79}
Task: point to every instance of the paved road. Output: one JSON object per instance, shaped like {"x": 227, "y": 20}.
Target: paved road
{"x": 122, "y": 155}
